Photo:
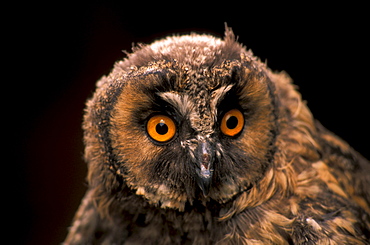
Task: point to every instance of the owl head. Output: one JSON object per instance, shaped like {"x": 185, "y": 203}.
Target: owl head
{"x": 186, "y": 119}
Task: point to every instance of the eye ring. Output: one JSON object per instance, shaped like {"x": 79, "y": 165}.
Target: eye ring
{"x": 232, "y": 122}
{"x": 161, "y": 128}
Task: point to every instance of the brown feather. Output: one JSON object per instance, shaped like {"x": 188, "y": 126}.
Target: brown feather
{"x": 283, "y": 179}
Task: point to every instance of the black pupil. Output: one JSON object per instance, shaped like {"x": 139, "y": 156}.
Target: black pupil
{"x": 161, "y": 128}
{"x": 232, "y": 122}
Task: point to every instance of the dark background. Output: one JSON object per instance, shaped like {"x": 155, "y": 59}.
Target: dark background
{"x": 59, "y": 51}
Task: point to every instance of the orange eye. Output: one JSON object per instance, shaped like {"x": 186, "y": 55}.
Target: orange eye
{"x": 232, "y": 122}
{"x": 161, "y": 128}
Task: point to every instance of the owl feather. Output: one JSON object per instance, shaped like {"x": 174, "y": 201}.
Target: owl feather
{"x": 193, "y": 140}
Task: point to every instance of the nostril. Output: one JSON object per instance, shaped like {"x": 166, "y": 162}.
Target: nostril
{"x": 205, "y": 158}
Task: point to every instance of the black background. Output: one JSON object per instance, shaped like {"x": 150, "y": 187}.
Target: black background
{"x": 59, "y": 51}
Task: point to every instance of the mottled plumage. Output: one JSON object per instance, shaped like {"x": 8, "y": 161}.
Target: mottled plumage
{"x": 193, "y": 140}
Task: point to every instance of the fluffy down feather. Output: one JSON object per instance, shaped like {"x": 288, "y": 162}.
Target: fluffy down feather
{"x": 284, "y": 179}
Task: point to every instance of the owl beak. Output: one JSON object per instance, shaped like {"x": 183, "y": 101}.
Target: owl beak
{"x": 204, "y": 173}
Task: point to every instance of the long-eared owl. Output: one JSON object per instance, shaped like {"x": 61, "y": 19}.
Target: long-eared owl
{"x": 193, "y": 140}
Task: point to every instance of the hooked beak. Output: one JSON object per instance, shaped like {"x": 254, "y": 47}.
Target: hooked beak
{"x": 205, "y": 170}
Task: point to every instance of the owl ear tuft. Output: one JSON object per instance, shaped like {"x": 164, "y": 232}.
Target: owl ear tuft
{"x": 231, "y": 46}
{"x": 229, "y": 34}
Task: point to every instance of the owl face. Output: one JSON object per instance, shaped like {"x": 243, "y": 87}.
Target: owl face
{"x": 185, "y": 119}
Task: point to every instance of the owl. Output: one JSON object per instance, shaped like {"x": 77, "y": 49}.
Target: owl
{"x": 193, "y": 140}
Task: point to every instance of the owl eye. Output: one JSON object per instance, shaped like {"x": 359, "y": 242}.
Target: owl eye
{"x": 161, "y": 128}
{"x": 232, "y": 122}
